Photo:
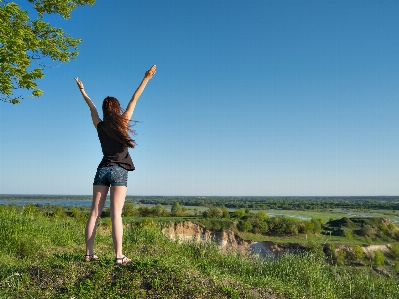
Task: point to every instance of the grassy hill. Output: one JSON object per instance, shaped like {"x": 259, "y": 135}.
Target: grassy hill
{"x": 42, "y": 257}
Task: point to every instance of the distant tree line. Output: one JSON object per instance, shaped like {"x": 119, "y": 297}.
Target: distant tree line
{"x": 254, "y": 203}
{"x": 283, "y": 203}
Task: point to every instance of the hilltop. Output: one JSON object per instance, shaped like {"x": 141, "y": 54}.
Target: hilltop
{"x": 42, "y": 257}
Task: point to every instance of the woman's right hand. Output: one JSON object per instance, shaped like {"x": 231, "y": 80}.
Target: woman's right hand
{"x": 151, "y": 72}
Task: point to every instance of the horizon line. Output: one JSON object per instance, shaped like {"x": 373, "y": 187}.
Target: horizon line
{"x": 44, "y": 194}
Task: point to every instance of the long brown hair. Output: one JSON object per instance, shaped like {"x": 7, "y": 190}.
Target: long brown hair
{"x": 115, "y": 125}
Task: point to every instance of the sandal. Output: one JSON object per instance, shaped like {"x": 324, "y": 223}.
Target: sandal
{"x": 123, "y": 260}
{"x": 91, "y": 258}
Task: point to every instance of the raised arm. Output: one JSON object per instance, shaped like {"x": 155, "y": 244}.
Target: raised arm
{"x": 130, "y": 107}
{"x": 93, "y": 110}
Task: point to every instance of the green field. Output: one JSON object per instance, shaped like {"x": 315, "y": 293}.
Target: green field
{"x": 332, "y": 214}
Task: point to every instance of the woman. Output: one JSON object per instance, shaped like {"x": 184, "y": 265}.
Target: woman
{"x": 112, "y": 171}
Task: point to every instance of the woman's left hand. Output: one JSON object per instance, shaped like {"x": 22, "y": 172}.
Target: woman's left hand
{"x": 80, "y": 83}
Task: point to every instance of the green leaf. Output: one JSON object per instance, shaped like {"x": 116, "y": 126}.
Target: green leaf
{"x": 37, "y": 93}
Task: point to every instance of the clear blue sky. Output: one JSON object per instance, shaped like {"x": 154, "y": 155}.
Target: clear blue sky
{"x": 250, "y": 98}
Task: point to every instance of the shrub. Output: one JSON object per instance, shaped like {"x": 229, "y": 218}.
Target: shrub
{"x": 226, "y": 213}
{"x": 216, "y": 224}
{"x": 348, "y": 234}
{"x": 147, "y": 222}
{"x": 383, "y": 228}
{"x": 258, "y": 226}
{"x": 340, "y": 256}
{"x": 316, "y": 225}
{"x": 106, "y": 213}
{"x": 394, "y": 250}
{"x": 366, "y": 231}
{"x": 214, "y": 212}
{"x": 343, "y": 222}
{"x": 244, "y": 226}
{"x": 379, "y": 258}
{"x": 129, "y": 209}
{"x": 29, "y": 210}
{"x": 159, "y": 210}
{"x": 176, "y": 208}
{"x": 357, "y": 253}
{"x": 282, "y": 226}
{"x": 75, "y": 213}
{"x": 240, "y": 213}
{"x": 145, "y": 211}
{"x": 262, "y": 215}
{"x": 306, "y": 227}
{"x": 58, "y": 212}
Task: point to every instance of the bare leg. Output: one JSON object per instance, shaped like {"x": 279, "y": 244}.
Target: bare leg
{"x": 118, "y": 194}
{"x": 99, "y": 197}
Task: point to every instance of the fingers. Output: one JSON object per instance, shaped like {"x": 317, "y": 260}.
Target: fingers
{"x": 151, "y": 72}
{"x": 80, "y": 84}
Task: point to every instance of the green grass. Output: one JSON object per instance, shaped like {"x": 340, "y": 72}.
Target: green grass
{"x": 42, "y": 257}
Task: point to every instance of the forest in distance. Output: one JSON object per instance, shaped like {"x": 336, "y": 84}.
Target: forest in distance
{"x": 302, "y": 203}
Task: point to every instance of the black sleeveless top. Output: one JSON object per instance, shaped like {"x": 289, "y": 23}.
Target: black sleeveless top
{"x": 115, "y": 153}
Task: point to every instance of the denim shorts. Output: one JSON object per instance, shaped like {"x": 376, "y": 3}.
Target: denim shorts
{"x": 111, "y": 176}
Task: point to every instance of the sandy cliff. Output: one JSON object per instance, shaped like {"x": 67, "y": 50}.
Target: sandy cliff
{"x": 226, "y": 240}
{"x": 229, "y": 241}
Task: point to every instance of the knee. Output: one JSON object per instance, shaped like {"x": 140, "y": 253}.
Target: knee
{"x": 94, "y": 215}
{"x": 116, "y": 214}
